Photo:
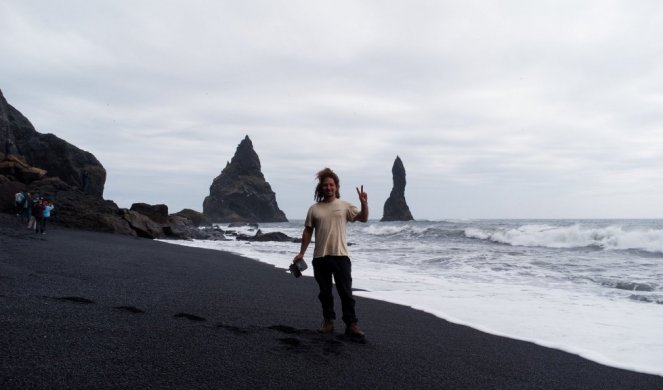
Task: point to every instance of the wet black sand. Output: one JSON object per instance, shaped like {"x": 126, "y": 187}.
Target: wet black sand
{"x": 93, "y": 310}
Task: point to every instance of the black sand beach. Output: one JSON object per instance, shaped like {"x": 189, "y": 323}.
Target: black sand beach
{"x": 93, "y": 310}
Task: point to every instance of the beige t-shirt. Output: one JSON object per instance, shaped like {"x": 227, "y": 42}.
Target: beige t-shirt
{"x": 329, "y": 220}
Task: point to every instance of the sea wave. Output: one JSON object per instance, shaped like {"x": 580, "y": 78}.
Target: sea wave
{"x": 647, "y": 299}
{"x": 411, "y": 231}
{"x": 391, "y": 230}
{"x": 574, "y": 236}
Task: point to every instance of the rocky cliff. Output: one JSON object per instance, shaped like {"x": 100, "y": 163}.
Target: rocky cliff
{"x": 73, "y": 180}
{"x": 396, "y": 208}
{"x": 241, "y": 193}
{"x": 56, "y": 156}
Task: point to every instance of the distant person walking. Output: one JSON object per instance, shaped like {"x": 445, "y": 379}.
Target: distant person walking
{"x": 38, "y": 213}
{"x": 327, "y": 219}
{"x": 19, "y": 202}
{"x": 30, "y": 203}
{"x": 48, "y": 207}
{"x": 26, "y": 211}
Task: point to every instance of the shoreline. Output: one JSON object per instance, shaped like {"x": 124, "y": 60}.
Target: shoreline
{"x": 639, "y": 357}
{"x": 86, "y": 309}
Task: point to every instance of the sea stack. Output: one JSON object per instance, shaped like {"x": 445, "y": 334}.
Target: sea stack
{"x": 241, "y": 193}
{"x": 395, "y": 208}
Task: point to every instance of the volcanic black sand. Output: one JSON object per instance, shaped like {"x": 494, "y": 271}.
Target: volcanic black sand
{"x": 93, "y": 310}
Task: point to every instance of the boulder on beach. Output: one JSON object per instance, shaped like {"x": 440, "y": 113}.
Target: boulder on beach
{"x": 157, "y": 213}
{"x": 264, "y": 237}
{"x": 197, "y": 218}
{"x": 143, "y": 225}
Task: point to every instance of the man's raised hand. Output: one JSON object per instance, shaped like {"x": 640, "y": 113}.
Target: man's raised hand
{"x": 363, "y": 197}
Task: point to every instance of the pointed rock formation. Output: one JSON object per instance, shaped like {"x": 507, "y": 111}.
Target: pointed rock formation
{"x": 395, "y": 208}
{"x": 240, "y": 193}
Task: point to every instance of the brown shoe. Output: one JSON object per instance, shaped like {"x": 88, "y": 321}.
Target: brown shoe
{"x": 327, "y": 326}
{"x": 354, "y": 330}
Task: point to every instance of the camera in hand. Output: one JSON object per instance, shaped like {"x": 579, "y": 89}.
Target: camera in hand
{"x": 297, "y": 267}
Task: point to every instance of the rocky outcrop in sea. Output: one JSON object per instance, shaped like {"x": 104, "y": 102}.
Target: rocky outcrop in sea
{"x": 396, "y": 208}
{"x": 241, "y": 193}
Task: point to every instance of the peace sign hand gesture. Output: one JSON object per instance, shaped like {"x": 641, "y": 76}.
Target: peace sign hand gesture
{"x": 363, "y": 197}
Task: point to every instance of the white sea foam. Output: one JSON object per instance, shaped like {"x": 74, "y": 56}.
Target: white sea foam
{"x": 390, "y": 230}
{"x": 574, "y": 236}
{"x": 581, "y": 324}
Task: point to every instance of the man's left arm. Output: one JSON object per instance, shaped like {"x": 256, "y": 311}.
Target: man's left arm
{"x": 363, "y": 199}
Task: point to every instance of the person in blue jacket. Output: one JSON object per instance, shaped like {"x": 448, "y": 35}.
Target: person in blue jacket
{"x": 46, "y": 206}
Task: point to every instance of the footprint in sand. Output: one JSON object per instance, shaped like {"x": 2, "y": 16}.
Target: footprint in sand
{"x": 232, "y": 328}
{"x": 73, "y": 299}
{"x": 130, "y": 309}
{"x": 190, "y": 317}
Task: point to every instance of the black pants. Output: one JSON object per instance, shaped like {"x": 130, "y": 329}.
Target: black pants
{"x": 40, "y": 225}
{"x": 341, "y": 269}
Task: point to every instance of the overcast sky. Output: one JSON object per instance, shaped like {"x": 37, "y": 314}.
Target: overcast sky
{"x": 498, "y": 109}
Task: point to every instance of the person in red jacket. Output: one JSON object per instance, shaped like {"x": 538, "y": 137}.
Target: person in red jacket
{"x": 38, "y": 213}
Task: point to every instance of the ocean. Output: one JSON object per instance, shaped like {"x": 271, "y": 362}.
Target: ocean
{"x": 589, "y": 287}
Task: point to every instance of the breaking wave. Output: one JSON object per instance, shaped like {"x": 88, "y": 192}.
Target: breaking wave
{"x": 391, "y": 230}
{"x": 574, "y": 236}
{"x": 411, "y": 232}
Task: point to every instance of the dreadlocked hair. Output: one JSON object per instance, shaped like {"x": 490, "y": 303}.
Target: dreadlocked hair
{"x": 322, "y": 175}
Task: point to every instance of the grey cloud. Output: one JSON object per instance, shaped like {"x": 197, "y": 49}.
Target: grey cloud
{"x": 507, "y": 109}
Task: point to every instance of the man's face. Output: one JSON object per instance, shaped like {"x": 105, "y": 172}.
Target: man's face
{"x": 329, "y": 188}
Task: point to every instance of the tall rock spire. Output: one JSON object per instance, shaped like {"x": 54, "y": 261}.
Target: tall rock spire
{"x": 241, "y": 193}
{"x": 395, "y": 208}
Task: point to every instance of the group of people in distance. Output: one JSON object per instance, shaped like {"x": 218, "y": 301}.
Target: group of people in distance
{"x": 33, "y": 209}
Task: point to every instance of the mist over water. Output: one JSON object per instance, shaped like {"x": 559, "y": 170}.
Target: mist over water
{"x": 593, "y": 288}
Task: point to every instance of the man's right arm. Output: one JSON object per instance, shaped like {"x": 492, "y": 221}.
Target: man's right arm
{"x": 306, "y": 240}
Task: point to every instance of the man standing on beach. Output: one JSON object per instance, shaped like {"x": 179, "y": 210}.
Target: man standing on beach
{"x": 328, "y": 218}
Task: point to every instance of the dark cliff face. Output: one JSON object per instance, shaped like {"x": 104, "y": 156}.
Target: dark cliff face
{"x": 396, "y": 208}
{"x": 76, "y": 167}
{"x": 240, "y": 193}
{"x": 73, "y": 180}
{"x": 50, "y": 167}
